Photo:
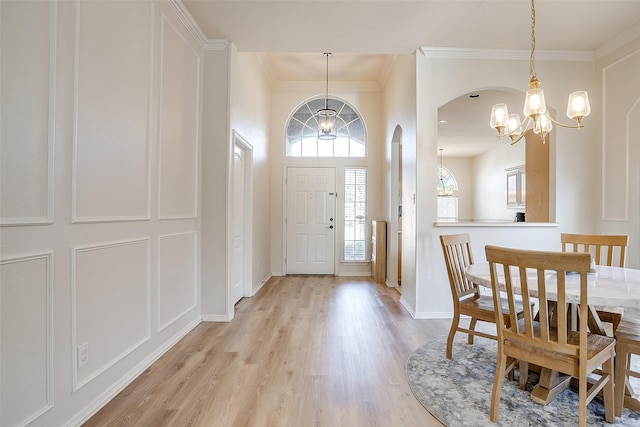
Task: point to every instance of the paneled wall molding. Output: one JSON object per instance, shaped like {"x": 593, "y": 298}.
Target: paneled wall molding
{"x": 175, "y": 132}
{"x": 106, "y": 189}
{"x": 78, "y": 251}
{"x": 48, "y": 218}
{"x": 505, "y": 54}
{"x": 618, "y": 42}
{"x": 190, "y": 284}
{"x": 216, "y": 45}
{"x": 187, "y": 20}
{"x": 94, "y": 406}
{"x": 615, "y": 155}
{"x": 47, "y": 393}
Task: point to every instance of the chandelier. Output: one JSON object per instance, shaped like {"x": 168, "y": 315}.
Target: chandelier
{"x": 327, "y": 116}
{"x": 535, "y": 110}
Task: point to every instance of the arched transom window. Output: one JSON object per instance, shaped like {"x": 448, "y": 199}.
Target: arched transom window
{"x": 447, "y": 188}
{"x": 302, "y": 132}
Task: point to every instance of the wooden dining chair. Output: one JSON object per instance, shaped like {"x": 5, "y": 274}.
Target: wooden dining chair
{"x": 467, "y": 300}
{"x": 605, "y": 249}
{"x": 549, "y": 341}
{"x": 627, "y": 344}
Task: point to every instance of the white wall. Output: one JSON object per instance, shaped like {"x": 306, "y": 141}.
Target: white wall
{"x": 441, "y": 77}
{"x": 250, "y": 118}
{"x": 100, "y": 200}
{"x": 618, "y": 150}
{"x": 367, "y": 100}
{"x": 216, "y": 140}
{"x": 400, "y": 113}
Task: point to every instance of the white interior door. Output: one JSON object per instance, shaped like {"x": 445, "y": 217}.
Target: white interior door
{"x": 310, "y": 220}
{"x": 237, "y": 262}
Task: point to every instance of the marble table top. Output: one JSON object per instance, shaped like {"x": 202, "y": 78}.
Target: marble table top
{"x": 608, "y": 286}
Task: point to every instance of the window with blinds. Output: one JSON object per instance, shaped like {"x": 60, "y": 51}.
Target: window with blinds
{"x": 355, "y": 214}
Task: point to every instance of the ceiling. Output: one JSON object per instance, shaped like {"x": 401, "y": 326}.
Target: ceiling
{"x": 364, "y": 35}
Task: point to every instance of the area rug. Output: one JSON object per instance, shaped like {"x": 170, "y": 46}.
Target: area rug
{"x": 458, "y": 391}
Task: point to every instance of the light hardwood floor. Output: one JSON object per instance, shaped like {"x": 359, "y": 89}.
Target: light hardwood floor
{"x": 305, "y": 351}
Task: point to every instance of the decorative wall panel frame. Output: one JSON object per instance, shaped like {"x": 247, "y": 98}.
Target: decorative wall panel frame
{"x": 49, "y": 217}
{"x": 607, "y": 147}
{"x": 77, "y": 384}
{"x": 49, "y": 392}
{"x": 76, "y": 218}
{"x": 166, "y": 24}
{"x": 166, "y": 237}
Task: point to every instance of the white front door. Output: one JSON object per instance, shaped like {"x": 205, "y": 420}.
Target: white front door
{"x": 310, "y": 220}
{"x": 237, "y": 262}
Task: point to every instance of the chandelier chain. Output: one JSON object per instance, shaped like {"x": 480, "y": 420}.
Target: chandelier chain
{"x": 326, "y": 98}
{"x": 532, "y": 58}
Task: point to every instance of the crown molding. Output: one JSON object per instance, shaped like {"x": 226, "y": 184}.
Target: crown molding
{"x": 622, "y": 39}
{"x": 505, "y": 54}
{"x": 190, "y": 24}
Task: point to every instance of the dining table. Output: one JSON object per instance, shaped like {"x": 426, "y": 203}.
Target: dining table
{"x": 606, "y": 286}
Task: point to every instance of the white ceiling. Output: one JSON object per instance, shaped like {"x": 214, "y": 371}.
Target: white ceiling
{"x": 364, "y": 35}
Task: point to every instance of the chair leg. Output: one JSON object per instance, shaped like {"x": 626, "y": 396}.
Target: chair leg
{"x": 582, "y": 401}
{"x": 496, "y": 390}
{"x": 621, "y": 366}
{"x": 472, "y": 326}
{"x": 524, "y": 374}
{"x": 608, "y": 391}
{"x": 452, "y": 332}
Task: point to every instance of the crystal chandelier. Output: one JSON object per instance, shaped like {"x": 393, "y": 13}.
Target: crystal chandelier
{"x": 327, "y": 116}
{"x": 535, "y": 110}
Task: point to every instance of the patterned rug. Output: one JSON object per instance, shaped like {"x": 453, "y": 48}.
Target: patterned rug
{"x": 458, "y": 393}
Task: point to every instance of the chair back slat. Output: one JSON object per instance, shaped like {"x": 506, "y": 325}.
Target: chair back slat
{"x": 525, "y": 275}
{"x": 602, "y": 246}
{"x": 458, "y": 256}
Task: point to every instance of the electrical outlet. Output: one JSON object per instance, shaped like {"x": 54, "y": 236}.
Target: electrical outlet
{"x": 83, "y": 354}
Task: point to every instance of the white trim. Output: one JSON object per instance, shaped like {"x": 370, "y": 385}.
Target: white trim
{"x": 260, "y": 285}
{"x": 247, "y": 148}
{"x": 505, "y": 54}
{"x": 187, "y": 20}
{"x": 216, "y": 318}
{"x": 619, "y": 41}
{"x": 427, "y": 315}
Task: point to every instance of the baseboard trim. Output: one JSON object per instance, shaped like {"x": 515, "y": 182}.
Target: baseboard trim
{"x": 216, "y": 318}
{"x": 92, "y": 408}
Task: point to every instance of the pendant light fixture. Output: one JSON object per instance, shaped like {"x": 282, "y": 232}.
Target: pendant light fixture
{"x": 535, "y": 110}
{"x": 327, "y": 116}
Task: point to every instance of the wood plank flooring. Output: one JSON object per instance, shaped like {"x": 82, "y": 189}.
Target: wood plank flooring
{"x": 305, "y": 351}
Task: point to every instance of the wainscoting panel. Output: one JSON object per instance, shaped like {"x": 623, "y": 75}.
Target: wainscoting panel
{"x": 27, "y": 104}
{"x": 177, "y": 272}
{"x": 26, "y": 351}
{"x": 110, "y": 305}
{"x": 178, "y": 124}
{"x": 114, "y": 77}
{"x": 620, "y": 104}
